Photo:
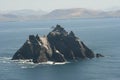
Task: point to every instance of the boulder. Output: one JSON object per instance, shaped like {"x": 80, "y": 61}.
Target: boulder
{"x": 57, "y": 46}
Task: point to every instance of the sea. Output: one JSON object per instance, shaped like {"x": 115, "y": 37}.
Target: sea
{"x": 102, "y": 35}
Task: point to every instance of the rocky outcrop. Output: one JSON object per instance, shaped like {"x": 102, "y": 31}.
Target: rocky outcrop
{"x": 57, "y": 46}
{"x": 99, "y": 55}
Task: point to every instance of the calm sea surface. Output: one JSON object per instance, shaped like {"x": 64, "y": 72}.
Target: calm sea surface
{"x": 101, "y": 35}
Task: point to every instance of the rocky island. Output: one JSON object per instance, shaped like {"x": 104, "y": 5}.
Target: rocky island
{"x": 57, "y": 46}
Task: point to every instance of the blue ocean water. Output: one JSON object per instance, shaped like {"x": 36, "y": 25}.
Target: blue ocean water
{"x": 101, "y": 35}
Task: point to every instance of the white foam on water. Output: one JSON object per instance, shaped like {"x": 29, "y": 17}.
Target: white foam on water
{"x": 25, "y": 63}
{"x": 24, "y": 67}
{"x": 48, "y": 62}
{"x": 28, "y": 63}
{"x": 60, "y": 63}
{"x": 5, "y": 62}
{"x": 53, "y": 63}
{"x": 5, "y": 59}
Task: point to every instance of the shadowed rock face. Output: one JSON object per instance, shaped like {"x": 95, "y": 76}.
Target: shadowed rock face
{"x": 57, "y": 46}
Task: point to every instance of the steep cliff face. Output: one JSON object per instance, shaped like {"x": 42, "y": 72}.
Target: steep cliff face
{"x": 57, "y": 46}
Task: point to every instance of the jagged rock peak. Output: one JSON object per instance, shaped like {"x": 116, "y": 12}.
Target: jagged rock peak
{"x": 32, "y": 39}
{"x": 58, "y": 30}
{"x": 72, "y": 34}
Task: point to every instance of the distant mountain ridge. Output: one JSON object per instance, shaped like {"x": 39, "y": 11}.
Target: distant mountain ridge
{"x": 74, "y": 13}
{"x": 19, "y": 15}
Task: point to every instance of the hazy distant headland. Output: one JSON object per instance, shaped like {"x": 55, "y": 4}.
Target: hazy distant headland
{"x": 21, "y": 15}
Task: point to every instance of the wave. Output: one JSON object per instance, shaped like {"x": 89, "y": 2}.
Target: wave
{"x": 28, "y": 63}
{"x": 5, "y": 59}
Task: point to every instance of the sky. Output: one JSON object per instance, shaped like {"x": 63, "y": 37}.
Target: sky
{"x": 49, "y": 5}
